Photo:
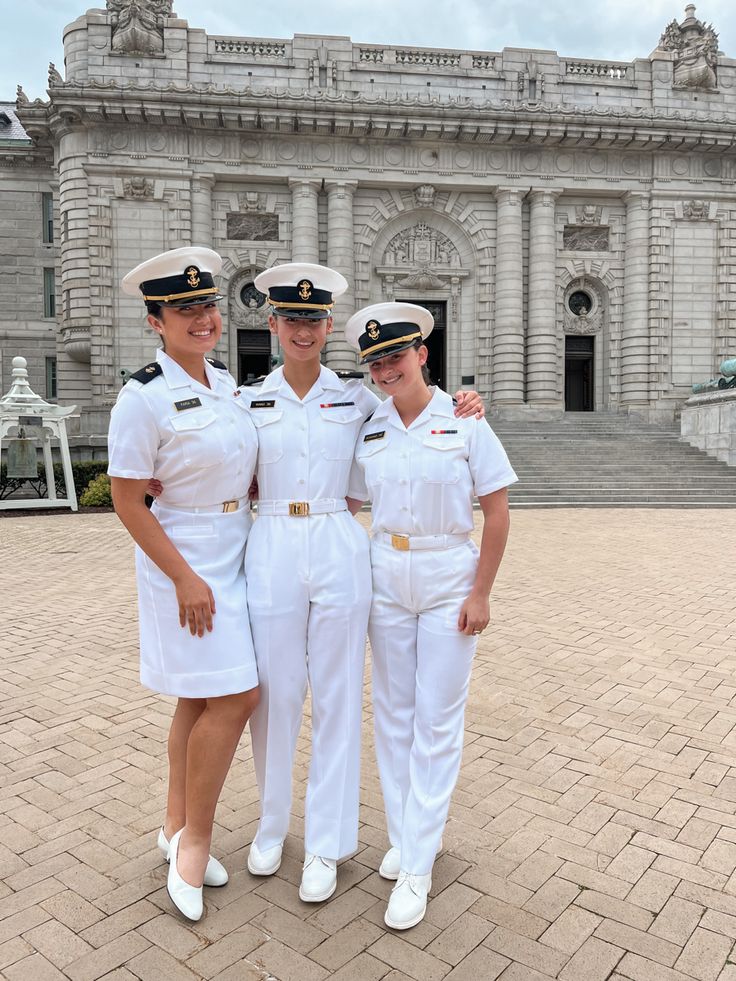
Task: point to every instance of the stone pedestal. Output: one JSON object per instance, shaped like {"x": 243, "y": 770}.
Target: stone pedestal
{"x": 708, "y": 421}
{"x": 542, "y": 345}
{"x": 341, "y": 256}
{"x": 635, "y": 339}
{"x": 508, "y": 332}
{"x": 305, "y": 221}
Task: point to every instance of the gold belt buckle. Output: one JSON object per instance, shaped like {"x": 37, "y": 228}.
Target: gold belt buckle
{"x": 229, "y": 506}
{"x": 299, "y": 509}
{"x": 400, "y": 542}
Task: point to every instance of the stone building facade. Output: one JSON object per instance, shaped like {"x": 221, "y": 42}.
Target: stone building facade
{"x": 571, "y": 223}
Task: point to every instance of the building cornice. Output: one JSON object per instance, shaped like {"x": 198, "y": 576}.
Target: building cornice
{"x": 417, "y": 117}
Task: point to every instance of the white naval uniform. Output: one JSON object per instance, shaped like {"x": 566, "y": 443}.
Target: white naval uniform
{"x": 421, "y": 482}
{"x": 309, "y": 587}
{"x": 200, "y": 443}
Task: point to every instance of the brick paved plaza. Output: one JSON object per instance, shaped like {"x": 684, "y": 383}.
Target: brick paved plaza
{"x": 592, "y": 834}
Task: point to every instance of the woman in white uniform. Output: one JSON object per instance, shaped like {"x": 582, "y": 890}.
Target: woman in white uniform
{"x": 182, "y": 421}
{"x": 309, "y": 580}
{"x": 421, "y": 468}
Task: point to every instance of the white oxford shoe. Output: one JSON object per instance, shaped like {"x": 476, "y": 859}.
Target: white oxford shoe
{"x": 264, "y": 863}
{"x": 319, "y": 879}
{"x": 215, "y": 873}
{"x": 186, "y": 898}
{"x": 391, "y": 864}
{"x": 408, "y": 901}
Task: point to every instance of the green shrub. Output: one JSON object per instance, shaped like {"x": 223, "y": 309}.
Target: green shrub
{"x": 82, "y": 473}
{"x": 97, "y": 494}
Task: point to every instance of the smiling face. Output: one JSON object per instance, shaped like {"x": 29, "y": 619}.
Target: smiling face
{"x": 301, "y": 340}
{"x": 188, "y": 331}
{"x": 397, "y": 374}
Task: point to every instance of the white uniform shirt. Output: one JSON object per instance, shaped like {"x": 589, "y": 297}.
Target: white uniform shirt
{"x": 422, "y": 480}
{"x": 306, "y": 447}
{"x": 198, "y": 441}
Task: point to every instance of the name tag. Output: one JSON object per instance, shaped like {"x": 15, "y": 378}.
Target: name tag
{"x": 443, "y": 432}
{"x": 263, "y": 404}
{"x": 370, "y": 436}
{"x": 187, "y": 404}
{"x": 334, "y": 405}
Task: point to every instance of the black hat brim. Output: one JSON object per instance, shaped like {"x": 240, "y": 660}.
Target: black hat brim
{"x": 392, "y": 349}
{"x": 295, "y": 313}
{"x": 194, "y": 301}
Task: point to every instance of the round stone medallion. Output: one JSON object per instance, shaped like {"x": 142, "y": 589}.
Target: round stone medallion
{"x": 680, "y": 165}
{"x": 394, "y": 155}
{"x": 251, "y": 148}
{"x": 497, "y": 160}
{"x": 286, "y": 150}
{"x": 463, "y": 158}
{"x": 712, "y": 167}
{"x": 597, "y": 163}
{"x": 119, "y": 141}
{"x": 214, "y": 146}
{"x": 531, "y": 161}
{"x": 358, "y": 154}
{"x": 157, "y": 141}
{"x": 564, "y": 162}
{"x": 323, "y": 152}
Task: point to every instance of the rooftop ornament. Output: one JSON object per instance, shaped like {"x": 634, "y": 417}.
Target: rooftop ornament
{"x": 21, "y": 409}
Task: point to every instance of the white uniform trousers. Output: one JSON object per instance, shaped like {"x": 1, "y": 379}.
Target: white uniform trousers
{"x": 421, "y": 674}
{"x": 309, "y": 593}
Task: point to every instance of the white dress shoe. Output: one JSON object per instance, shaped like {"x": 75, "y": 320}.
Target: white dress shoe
{"x": 264, "y": 863}
{"x": 215, "y": 873}
{"x": 186, "y": 898}
{"x": 391, "y": 864}
{"x": 408, "y": 901}
{"x": 319, "y": 879}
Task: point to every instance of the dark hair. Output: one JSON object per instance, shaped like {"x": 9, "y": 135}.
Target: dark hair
{"x": 156, "y": 310}
{"x": 425, "y": 370}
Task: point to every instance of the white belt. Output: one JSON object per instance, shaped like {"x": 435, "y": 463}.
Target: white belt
{"x": 302, "y": 509}
{"x": 226, "y": 506}
{"x": 409, "y": 543}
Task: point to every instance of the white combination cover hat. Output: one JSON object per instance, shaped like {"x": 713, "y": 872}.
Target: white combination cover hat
{"x": 301, "y": 290}
{"x": 177, "y": 278}
{"x": 387, "y": 328}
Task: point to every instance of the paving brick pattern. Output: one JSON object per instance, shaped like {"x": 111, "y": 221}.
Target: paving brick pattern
{"x": 592, "y": 834}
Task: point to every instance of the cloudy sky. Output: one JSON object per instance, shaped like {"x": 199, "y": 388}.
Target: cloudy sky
{"x": 617, "y": 29}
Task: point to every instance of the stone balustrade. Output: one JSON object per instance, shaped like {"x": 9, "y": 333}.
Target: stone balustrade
{"x": 603, "y": 70}
{"x": 250, "y": 47}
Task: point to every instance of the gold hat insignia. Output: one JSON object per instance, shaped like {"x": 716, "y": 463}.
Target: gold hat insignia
{"x": 305, "y": 289}
{"x": 192, "y": 274}
{"x": 373, "y": 329}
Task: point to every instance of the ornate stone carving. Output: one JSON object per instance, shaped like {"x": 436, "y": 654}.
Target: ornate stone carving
{"x": 585, "y": 238}
{"x": 54, "y": 76}
{"x": 423, "y": 279}
{"x": 695, "y": 46}
{"x": 21, "y": 99}
{"x": 424, "y": 195}
{"x": 137, "y": 25}
{"x": 250, "y": 201}
{"x": 138, "y": 187}
{"x": 588, "y": 214}
{"x": 583, "y": 308}
{"x": 421, "y": 245}
{"x": 253, "y": 226}
{"x": 696, "y": 210}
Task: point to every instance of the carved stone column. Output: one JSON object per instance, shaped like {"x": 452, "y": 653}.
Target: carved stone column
{"x": 635, "y": 340}
{"x": 304, "y": 225}
{"x": 541, "y": 346}
{"x": 341, "y": 256}
{"x": 202, "y": 186}
{"x": 508, "y": 331}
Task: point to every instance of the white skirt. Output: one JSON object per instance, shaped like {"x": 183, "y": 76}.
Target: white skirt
{"x": 174, "y": 662}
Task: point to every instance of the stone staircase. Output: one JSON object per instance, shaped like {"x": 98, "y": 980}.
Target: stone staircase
{"x": 602, "y": 459}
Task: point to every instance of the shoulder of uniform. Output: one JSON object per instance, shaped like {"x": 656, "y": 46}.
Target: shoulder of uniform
{"x": 253, "y": 381}
{"x": 147, "y": 374}
{"x": 344, "y": 375}
{"x": 216, "y": 364}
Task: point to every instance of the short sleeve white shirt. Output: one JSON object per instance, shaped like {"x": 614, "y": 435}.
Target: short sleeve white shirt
{"x": 306, "y": 446}
{"x": 422, "y": 480}
{"x": 198, "y": 441}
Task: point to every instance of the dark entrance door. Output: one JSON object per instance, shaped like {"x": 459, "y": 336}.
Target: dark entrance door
{"x": 436, "y": 340}
{"x": 579, "y": 374}
{"x": 254, "y": 354}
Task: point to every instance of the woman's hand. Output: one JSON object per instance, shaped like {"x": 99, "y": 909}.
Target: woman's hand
{"x": 469, "y": 404}
{"x": 196, "y": 603}
{"x": 474, "y": 615}
{"x": 154, "y": 487}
